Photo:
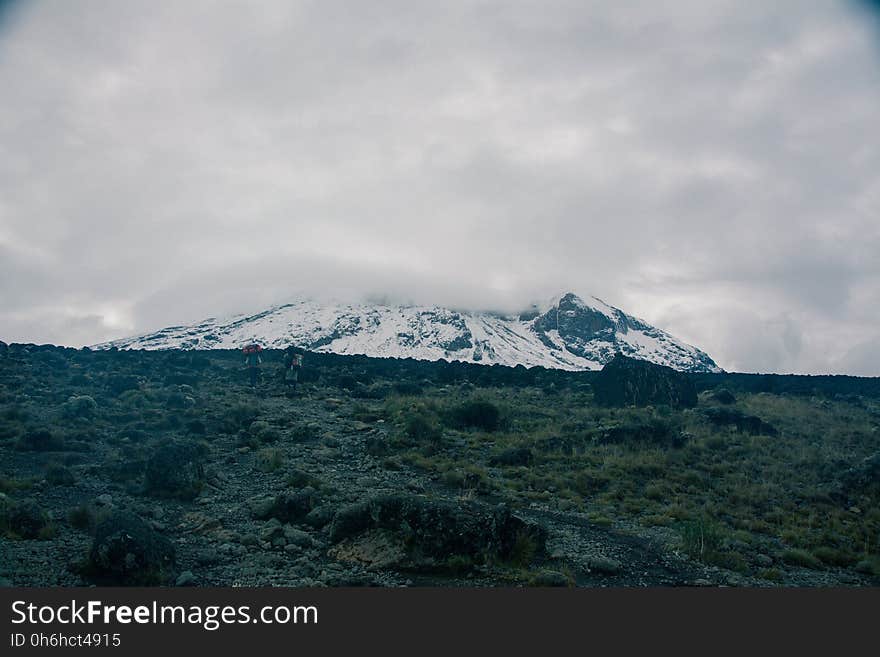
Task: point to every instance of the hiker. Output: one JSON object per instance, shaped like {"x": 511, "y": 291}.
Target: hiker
{"x": 252, "y": 360}
{"x": 293, "y": 359}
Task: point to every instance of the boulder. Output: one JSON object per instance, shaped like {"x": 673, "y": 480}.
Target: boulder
{"x": 627, "y": 381}
{"x": 289, "y": 506}
{"x": 750, "y": 424}
{"x": 127, "y": 551}
{"x": 441, "y": 529}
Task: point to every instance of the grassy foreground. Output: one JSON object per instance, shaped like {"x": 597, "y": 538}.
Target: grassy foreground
{"x": 748, "y": 487}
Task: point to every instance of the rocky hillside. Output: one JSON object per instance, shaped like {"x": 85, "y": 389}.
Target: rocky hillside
{"x": 567, "y": 333}
{"x": 165, "y": 467}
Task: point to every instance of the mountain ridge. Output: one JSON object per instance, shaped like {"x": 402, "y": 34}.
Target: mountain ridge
{"x": 564, "y": 333}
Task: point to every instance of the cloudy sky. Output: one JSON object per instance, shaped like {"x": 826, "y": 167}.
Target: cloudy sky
{"x": 710, "y": 166}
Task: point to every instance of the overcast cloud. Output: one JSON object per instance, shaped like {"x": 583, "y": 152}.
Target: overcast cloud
{"x": 710, "y": 166}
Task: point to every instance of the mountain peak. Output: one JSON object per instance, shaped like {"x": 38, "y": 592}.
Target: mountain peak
{"x": 569, "y": 333}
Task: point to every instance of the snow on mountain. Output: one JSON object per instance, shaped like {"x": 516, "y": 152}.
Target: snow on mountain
{"x": 566, "y": 333}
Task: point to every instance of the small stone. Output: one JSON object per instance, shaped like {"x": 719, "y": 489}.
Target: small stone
{"x": 550, "y": 578}
{"x": 320, "y": 516}
{"x": 261, "y": 507}
{"x": 604, "y": 565}
{"x": 186, "y": 578}
{"x": 271, "y": 532}
{"x": 297, "y": 536}
{"x": 763, "y": 560}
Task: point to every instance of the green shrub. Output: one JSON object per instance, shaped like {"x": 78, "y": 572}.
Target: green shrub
{"x": 798, "y": 557}
{"x": 23, "y": 520}
{"x": 241, "y": 415}
{"x": 82, "y": 517}
{"x": 263, "y": 432}
{"x": 176, "y": 470}
{"x": 459, "y": 563}
{"x": 79, "y": 407}
{"x": 59, "y": 475}
{"x": 524, "y": 549}
{"x": 422, "y": 428}
{"x": 701, "y": 539}
{"x": 476, "y": 414}
{"x": 304, "y": 432}
{"x": 40, "y": 440}
{"x": 835, "y": 557}
{"x": 869, "y": 566}
{"x": 270, "y": 459}
{"x": 12, "y": 484}
{"x": 772, "y": 574}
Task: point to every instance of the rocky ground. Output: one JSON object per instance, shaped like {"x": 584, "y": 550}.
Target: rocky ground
{"x": 219, "y": 541}
{"x": 297, "y": 491}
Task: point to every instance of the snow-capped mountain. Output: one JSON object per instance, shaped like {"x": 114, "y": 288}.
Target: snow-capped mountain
{"x": 566, "y": 333}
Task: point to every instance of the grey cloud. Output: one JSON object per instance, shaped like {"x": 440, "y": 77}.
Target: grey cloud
{"x": 706, "y": 165}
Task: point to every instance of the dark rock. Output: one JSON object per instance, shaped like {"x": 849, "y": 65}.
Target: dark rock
{"x": 297, "y": 537}
{"x": 750, "y": 424}
{"x": 513, "y": 456}
{"x": 626, "y": 381}
{"x": 127, "y": 551}
{"x": 573, "y": 320}
{"x": 290, "y": 506}
{"x": 293, "y": 506}
{"x": 176, "y": 470}
{"x": 320, "y": 516}
{"x": 652, "y": 432}
{"x": 440, "y": 529}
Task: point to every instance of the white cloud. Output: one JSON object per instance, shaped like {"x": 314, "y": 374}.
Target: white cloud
{"x": 710, "y": 166}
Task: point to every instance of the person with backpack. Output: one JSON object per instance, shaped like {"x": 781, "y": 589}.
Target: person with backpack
{"x": 252, "y": 360}
{"x": 293, "y": 360}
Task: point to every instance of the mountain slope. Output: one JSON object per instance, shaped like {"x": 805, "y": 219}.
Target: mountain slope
{"x": 568, "y": 333}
